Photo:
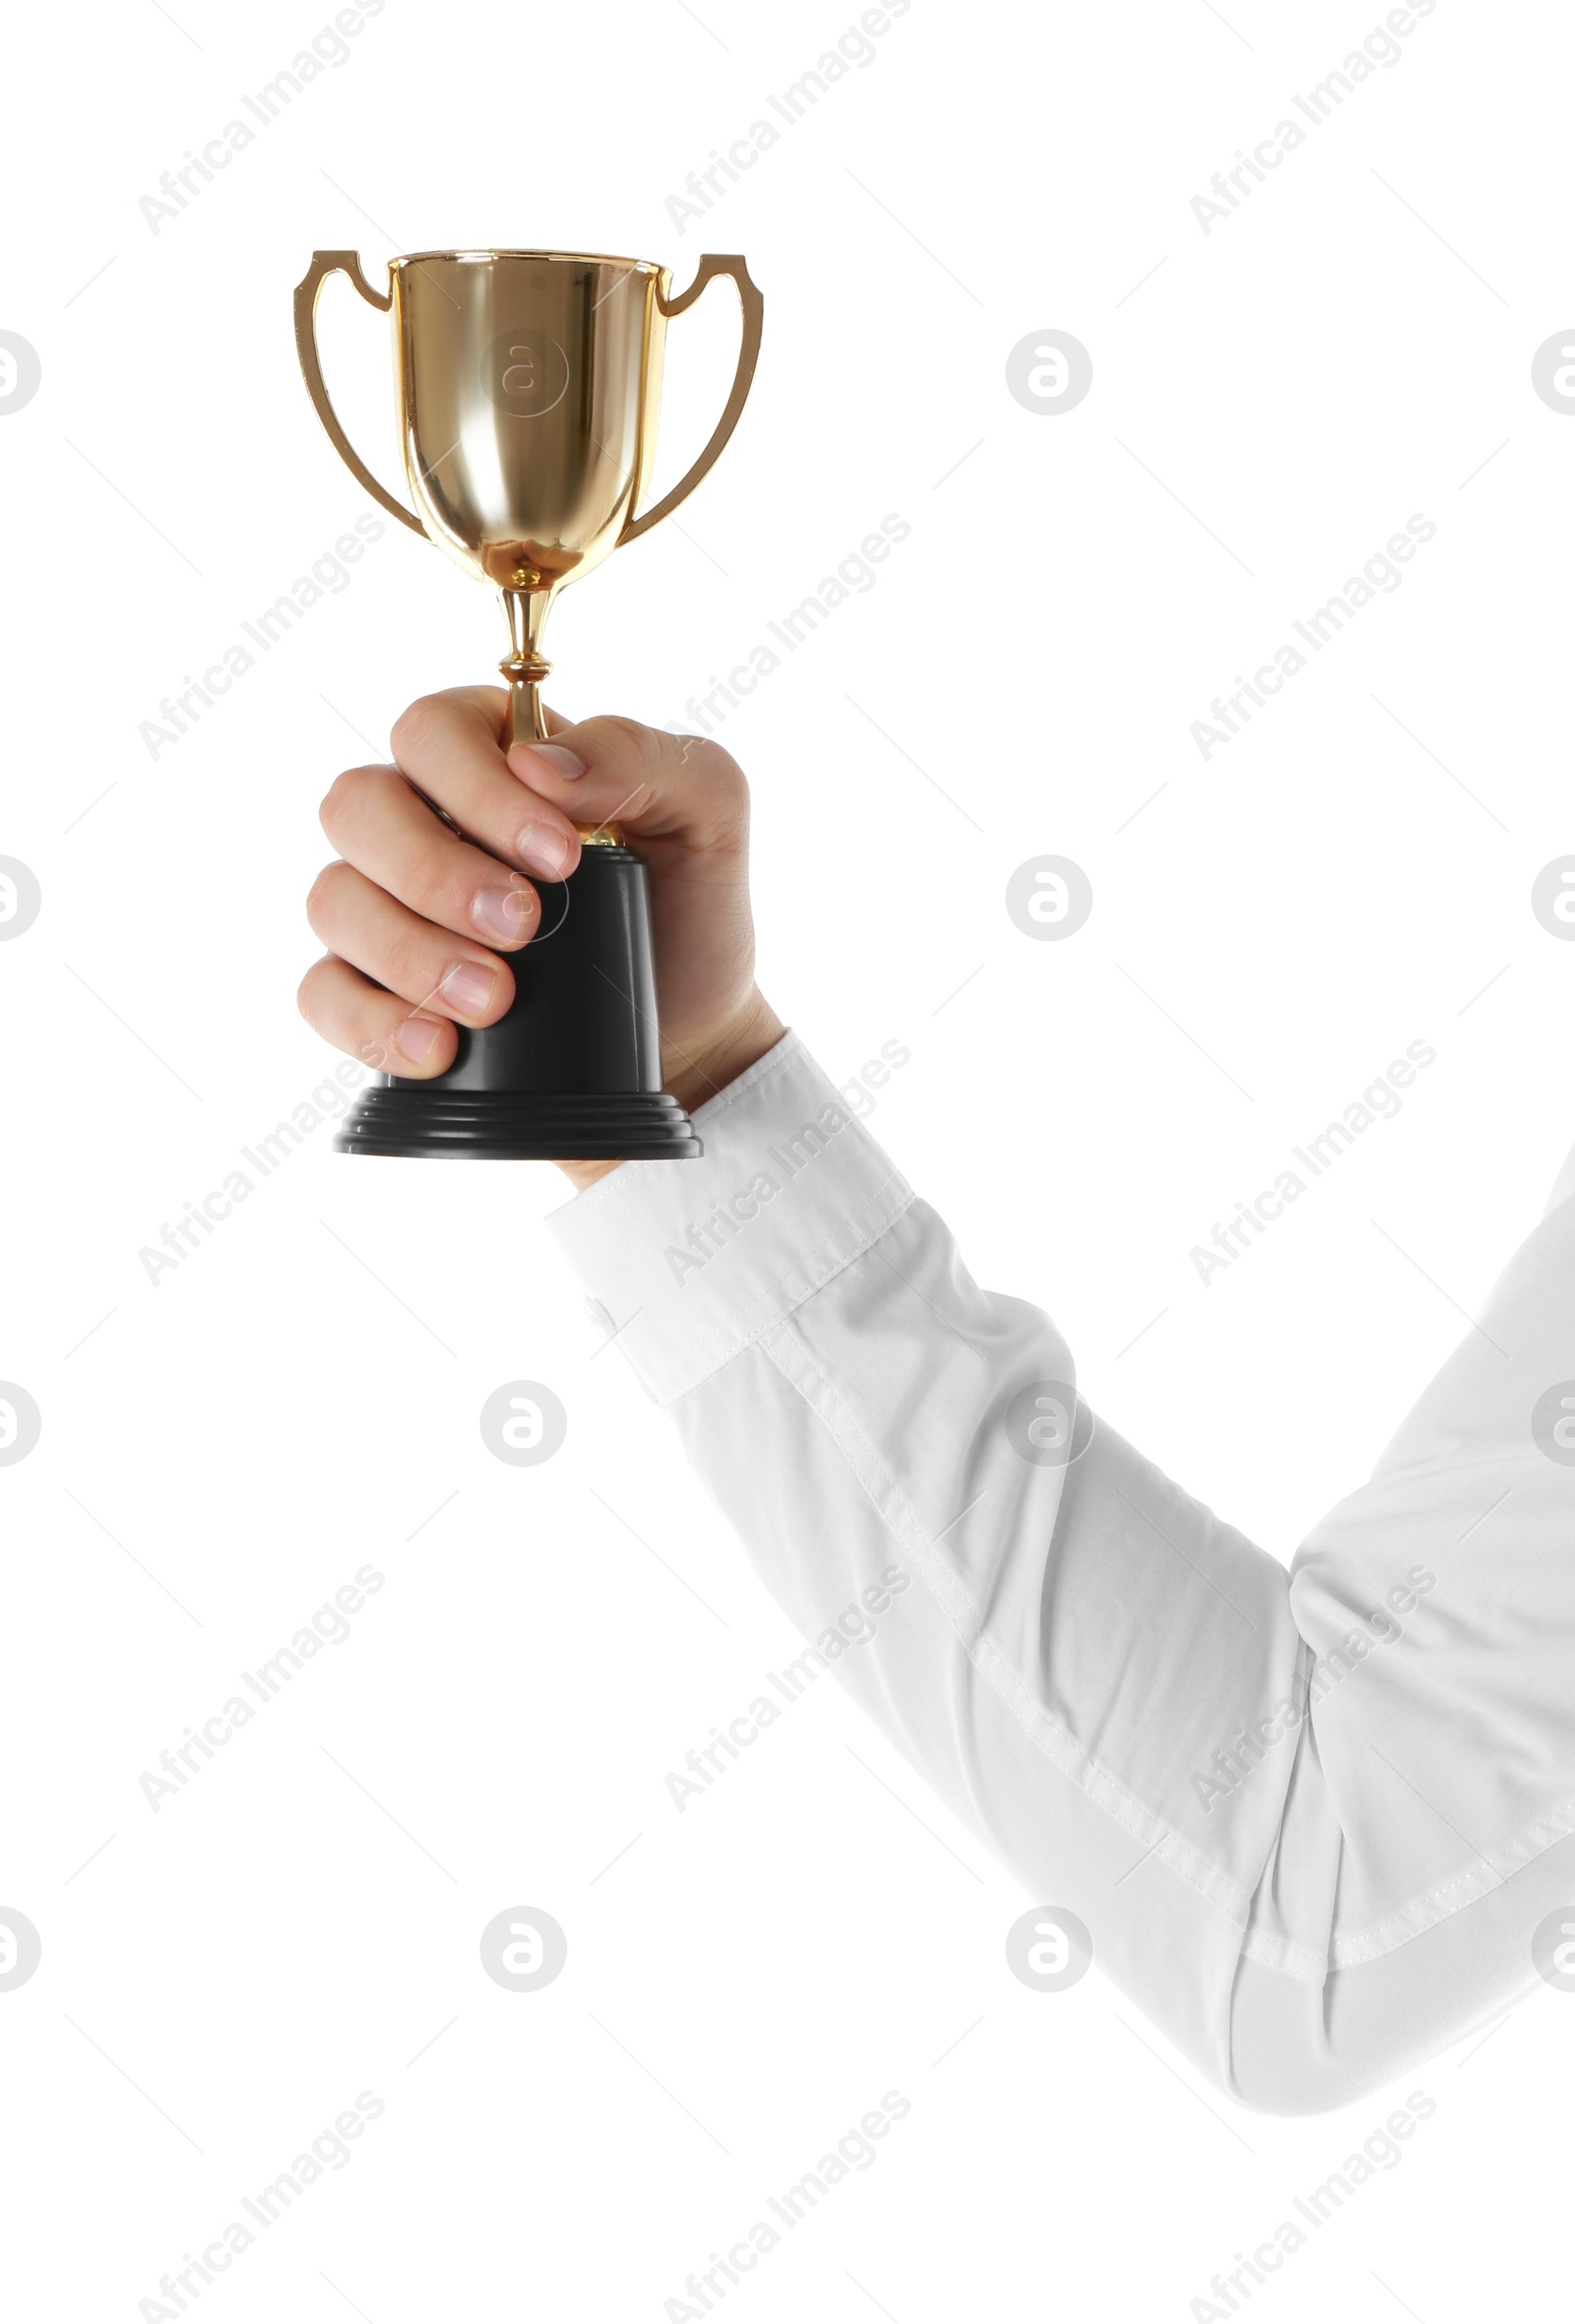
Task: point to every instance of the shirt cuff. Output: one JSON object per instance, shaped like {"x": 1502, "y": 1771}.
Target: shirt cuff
{"x": 691, "y": 1261}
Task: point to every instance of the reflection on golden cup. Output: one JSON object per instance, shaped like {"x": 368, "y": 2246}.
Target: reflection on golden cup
{"x": 527, "y": 484}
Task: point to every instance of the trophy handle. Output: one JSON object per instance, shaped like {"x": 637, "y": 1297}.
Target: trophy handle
{"x": 340, "y": 261}
{"x": 754, "y": 309}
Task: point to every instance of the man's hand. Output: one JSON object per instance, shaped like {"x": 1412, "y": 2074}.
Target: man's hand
{"x": 419, "y": 921}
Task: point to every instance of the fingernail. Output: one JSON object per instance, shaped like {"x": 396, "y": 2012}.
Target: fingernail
{"x": 417, "y": 1037}
{"x": 503, "y": 913}
{"x": 468, "y": 987}
{"x": 550, "y": 757}
{"x": 544, "y": 848}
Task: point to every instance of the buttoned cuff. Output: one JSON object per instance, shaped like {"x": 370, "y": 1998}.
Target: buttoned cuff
{"x": 691, "y": 1261}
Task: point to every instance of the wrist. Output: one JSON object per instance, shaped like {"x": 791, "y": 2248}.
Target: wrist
{"x": 702, "y": 1069}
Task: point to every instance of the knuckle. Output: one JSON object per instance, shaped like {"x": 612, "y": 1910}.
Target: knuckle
{"x": 723, "y": 775}
{"x": 723, "y": 791}
{"x": 407, "y": 969}
{"x": 309, "y": 992}
{"x": 442, "y": 888}
{"x": 627, "y": 742}
{"x": 706, "y": 759}
{"x": 419, "y": 725}
{"x": 635, "y": 735}
{"x": 346, "y": 798}
{"x": 321, "y": 897}
{"x": 435, "y": 889}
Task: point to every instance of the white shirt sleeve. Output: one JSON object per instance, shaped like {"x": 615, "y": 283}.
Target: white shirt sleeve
{"x": 1311, "y": 1818}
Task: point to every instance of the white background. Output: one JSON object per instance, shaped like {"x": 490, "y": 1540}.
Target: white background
{"x": 222, "y": 1449}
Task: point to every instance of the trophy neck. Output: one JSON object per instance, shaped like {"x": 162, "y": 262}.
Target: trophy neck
{"x": 526, "y": 609}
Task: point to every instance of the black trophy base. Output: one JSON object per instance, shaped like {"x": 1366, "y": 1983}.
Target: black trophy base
{"x": 425, "y": 1119}
{"x": 573, "y": 1072}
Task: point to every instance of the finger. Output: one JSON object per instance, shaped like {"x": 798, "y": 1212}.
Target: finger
{"x": 374, "y": 1025}
{"x": 448, "y": 744}
{"x": 423, "y": 965}
{"x": 659, "y": 786}
{"x": 379, "y": 825}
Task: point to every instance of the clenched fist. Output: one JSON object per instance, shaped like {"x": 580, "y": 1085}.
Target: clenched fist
{"x": 419, "y": 920}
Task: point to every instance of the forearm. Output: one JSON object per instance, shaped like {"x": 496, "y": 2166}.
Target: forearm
{"x": 1145, "y": 1716}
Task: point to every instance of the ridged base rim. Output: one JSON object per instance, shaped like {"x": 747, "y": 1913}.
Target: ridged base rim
{"x": 424, "y": 1120}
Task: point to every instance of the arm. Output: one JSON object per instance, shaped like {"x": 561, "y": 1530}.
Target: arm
{"x": 1311, "y": 1818}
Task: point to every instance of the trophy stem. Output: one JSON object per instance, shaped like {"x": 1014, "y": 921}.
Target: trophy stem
{"x": 525, "y": 722}
{"x": 526, "y": 609}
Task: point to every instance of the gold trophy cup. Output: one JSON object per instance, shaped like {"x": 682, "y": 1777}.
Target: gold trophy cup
{"x": 526, "y": 387}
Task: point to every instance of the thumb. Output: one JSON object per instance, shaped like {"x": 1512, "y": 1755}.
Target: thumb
{"x": 658, "y": 786}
